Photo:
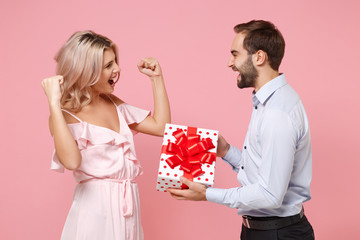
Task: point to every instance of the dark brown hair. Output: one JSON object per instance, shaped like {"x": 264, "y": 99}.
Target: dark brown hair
{"x": 263, "y": 35}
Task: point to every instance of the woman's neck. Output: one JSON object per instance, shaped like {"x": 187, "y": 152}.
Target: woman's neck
{"x": 96, "y": 98}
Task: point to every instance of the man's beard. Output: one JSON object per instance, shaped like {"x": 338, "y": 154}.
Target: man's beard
{"x": 248, "y": 74}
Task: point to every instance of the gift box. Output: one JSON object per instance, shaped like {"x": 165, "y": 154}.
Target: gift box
{"x": 189, "y": 152}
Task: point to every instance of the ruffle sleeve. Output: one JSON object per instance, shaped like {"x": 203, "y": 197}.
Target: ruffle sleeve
{"x": 55, "y": 164}
{"x": 132, "y": 114}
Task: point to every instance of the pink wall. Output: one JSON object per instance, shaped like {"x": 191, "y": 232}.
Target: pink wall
{"x": 191, "y": 39}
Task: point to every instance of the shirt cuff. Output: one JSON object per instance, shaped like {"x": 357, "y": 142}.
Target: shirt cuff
{"x": 215, "y": 195}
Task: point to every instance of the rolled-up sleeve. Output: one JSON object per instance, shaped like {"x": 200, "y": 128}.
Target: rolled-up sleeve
{"x": 233, "y": 157}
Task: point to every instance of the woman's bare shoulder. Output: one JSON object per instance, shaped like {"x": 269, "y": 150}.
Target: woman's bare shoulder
{"x": 117, "y": 100}
{"x": 69, "y": 118}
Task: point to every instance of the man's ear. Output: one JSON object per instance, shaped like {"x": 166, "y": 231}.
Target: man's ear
{"x": 260, "y": 58}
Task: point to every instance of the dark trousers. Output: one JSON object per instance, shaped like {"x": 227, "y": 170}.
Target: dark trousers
{"x": 298, "y": 231}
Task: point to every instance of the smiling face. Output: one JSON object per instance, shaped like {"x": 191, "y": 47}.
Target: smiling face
{"x": 241, "y": 61}
{"x": 109, "y": 75}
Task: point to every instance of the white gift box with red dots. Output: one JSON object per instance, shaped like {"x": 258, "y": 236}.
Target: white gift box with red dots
{"x": 168, "y": 177}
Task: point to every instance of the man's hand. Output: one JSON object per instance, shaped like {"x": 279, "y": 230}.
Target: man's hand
{"x": 223, "y": 147}
{"x": 196, "y": 191}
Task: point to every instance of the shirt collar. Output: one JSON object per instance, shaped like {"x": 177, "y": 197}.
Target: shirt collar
{"x": 266, "y": 91}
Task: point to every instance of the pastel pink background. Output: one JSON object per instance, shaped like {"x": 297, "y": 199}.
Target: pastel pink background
{"x": 191, "y": 39}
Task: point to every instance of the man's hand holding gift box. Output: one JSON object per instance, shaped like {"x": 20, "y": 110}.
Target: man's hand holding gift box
{"x": 188, "y": 152}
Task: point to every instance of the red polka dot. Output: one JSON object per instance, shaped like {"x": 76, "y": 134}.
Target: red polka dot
{"x": 162, "y": 187}
{"x": 174, "y": 185}
{"x": 166, "y": 184}
{"x": 178, "y": 129}
{"x": 199, "y": 178}
{"x": 211, "y": 173}
{"x": 170, "y": 180}
{"x": 170, "y": 127}
{"x": 206, "y": 179}
{"x": 203, "y": 172}
{"x": 157, "y": 190}
{"x": 185, "y": 130}
{"x": 168, "y": 140}
{"x": 178, "y": 181}
{"x": 162, "y": 159}
{"x": 209, "y": 185}
{"x": 208, "y": 165}
{"x": 160, "y": 173}
{"x": 207, "y": 133}
{"x": 175, "y": 175}
{"x": 166, "y": 133}
{"x": 168, "y": 174}
{"x": 158, "y": 182}
{"x": 163, "y": 179}
{"x": 200, "y": 132}
{"x": 215, "y": 134}
{"x": 165, "y": 191}
{"x": 165, "y": 166}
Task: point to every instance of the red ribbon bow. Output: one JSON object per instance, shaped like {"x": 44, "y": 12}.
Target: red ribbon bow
{"x": 189, "y": 152}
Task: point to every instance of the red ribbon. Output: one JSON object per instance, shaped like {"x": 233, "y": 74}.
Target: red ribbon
{"x": 189, "y": 152}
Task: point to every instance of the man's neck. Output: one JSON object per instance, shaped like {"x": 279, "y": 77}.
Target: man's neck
{"x": 264, "y": 77}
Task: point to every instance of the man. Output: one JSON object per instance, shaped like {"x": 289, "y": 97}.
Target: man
{"x": 275, "y": 164}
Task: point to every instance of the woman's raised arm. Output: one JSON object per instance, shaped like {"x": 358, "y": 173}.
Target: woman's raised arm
{"x": 155, "y": 124}
{"x": 65, "y": 145}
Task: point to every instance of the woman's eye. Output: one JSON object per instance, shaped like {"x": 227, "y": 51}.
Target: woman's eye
{"x": 108, "y": 66}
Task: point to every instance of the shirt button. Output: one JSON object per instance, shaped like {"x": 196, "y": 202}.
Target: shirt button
{"x": 242, "y": 167}
{"x": 255, "y": 107}
{"x": 244, "y": 147}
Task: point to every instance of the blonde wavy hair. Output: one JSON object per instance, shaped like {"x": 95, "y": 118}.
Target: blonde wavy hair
{"x": 80, "y": 62}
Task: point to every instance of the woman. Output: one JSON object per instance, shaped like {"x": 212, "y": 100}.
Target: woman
{"x": 92, "y": 134}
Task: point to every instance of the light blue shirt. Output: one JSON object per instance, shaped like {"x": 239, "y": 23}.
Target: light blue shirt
{"x": 275, "y": 164}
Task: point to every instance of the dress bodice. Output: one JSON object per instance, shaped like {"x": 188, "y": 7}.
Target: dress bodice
{"x": 106, "y": 154}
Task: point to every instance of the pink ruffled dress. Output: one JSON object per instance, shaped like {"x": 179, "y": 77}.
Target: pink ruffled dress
{"x": 106, "y": 200}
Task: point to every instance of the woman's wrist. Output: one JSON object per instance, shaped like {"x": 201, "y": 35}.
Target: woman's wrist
{"x": 157, "y": 78}
{"x": 55, "y": 105}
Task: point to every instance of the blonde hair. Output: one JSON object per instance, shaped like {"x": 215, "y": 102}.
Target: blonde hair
{"x": 80, "y": 62}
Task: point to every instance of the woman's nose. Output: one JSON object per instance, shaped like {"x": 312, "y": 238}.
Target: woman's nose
{"x": 117, "y": 69}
